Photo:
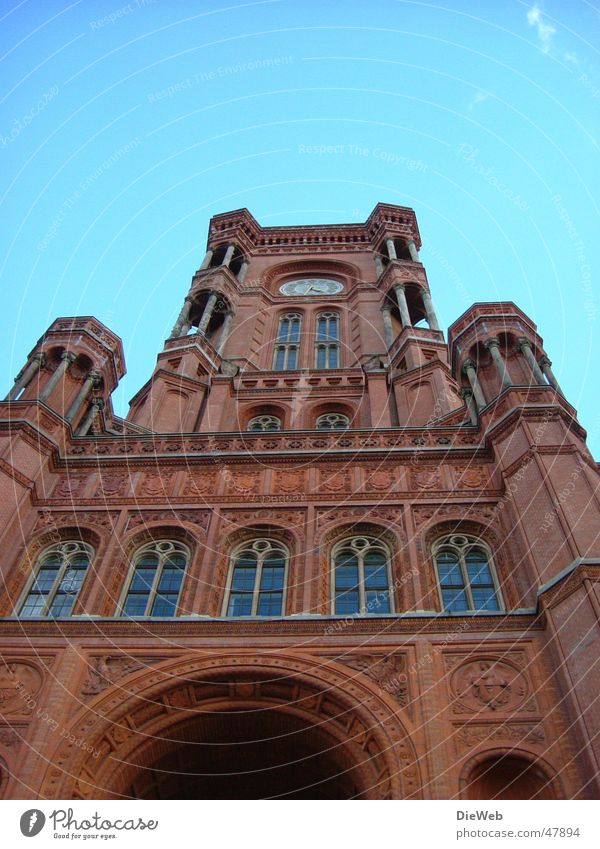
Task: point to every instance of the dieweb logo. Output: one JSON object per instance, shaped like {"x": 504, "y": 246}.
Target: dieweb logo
{"x": 32, "y": 822}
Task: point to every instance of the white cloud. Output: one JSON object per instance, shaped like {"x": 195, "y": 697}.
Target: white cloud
{"x": 478, "y": 97}
{"x": 545, "y": 31}
{"x": 572, "y": 58}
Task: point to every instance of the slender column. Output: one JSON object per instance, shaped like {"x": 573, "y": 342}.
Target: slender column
{"x": 228, "y": 255}
{"x": 208, "y": 311}
{"x": 412, "y": 249}
{"x": 524, "y": 346}
{"x": 91, "y": 381}
{"x": 493, "y": 346}
{"x": 206, "y": 261}
{"x": 471, "y": 372}
{"x": 183, "y": 319}
{"x": 546, "y": 367}
{"x": 66, "y": 360}
{"x": 243, "y": 270}
{"x": 378, "y": 265}
{"x": 429, "y": 311}
{"x": 402, "y": 305}
{"x": 467, "y": 394}
{"x": 225, "y": 332}
{"x": 23, "y": 380}
{"x": 391, "y": 247}
{"x": 96, "y": 405}
{"x": 387, "y": 325}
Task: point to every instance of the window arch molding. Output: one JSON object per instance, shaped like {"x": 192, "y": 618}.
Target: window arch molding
{"x": 257, "y": 577}
{"x": 360, "y": 575}
{"x": 465, "y": 573}
{"x": 332, "y": 421}
{"x": 155, "y": 578}
{"x": 54, "y": 586}
{"x": 265, "y": 423}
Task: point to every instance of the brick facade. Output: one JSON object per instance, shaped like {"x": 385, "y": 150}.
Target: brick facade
{"x": 468, "y": 442}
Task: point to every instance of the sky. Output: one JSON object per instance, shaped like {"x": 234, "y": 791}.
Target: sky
{"x": 125, "y": 126}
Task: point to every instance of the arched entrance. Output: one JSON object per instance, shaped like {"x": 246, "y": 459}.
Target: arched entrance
{"x": 508, "y": 775}
{"x": 240, "y": 726}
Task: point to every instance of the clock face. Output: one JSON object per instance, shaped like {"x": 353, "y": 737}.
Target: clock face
{"x": 311, "y": 286}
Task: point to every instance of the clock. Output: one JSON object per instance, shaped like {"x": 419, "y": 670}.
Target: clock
{"x": 311, "y": 286}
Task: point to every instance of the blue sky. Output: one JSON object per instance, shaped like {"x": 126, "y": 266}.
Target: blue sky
{"x": 125, "y": 126}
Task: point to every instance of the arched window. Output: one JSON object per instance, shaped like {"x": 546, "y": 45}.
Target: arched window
{"x": 155, "y": 579}
{"x": 58, "y": 578}
{"x": 327, "y": 341}
{"x": 465, "y": 574}
{"x": 361, "y": 577}
{"x": 257, "y": 579}
{"x": 288, "y": 342}
{"x": 259, "y": 423}
{"x": 333, "y": 421}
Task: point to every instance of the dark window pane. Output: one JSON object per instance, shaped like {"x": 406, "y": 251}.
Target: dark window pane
{"x": 72, "y": 581}
{"x": 346, "y": 577}
{"x": 246, "y": 558}
{"x": 243, "y": 579}
{"x": 376, "y": 577}
{"x": 333, "y": 358}
{"x": 240, "y": 605}
{"x": 170, "y": 580}
{"x": 272, "y": 578}
{"x": 62, "y": 605}
{"x": 34, "y": 605}
{"x": 175, "y": 560}
{"x": 450, "y": 575}
{"x": 292, "y": 358}
{"x": 321, "y": 352}
{"x": 485, "y": 599}
{"x": 347, "y": 603}
{"x": 149, "y": 560}
{"x": 269, "y": 604}
{"x": 455, "y": 600}
{"x": 374, "y": 558}
{"x": 142, "y": 579}
{"x": 135, "y": 605}
{"x": 165, "y": 605}
{"x": 294, "y": 334}
{"x": 376, "y": 602}
{"x": 80, "y": 561}
{"x": 280, "y": 359}
{"x": 45, "y": 580}
{"x": 479, "y": 572}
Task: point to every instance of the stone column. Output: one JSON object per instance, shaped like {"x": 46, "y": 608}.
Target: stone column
{"x": 206, "y": 261}
{"x": 429, "y": 311}
{"x": 225, "y": 332}
{"x": 23, "y": 380}
{"x": 467, "y": 394}
{"x": 471, "y": 372}
{"x": 546, "y": 367}
{"x": 95, "y": 407}
{"x": 91, "y": 381}
{"x": 66, "y": 360}
{"x": 412, "y": 249}
{"x": 183, "y": 319}
{"x": 378, "y": 265}
{"x": 524, "y": 347}
{"x": 493, "y": 346}
{"x": 243, "y": 270}
{"x": 391, "y": 249}
{"x": 228, "y": 255}
{"x": 402, "y": 305}
{"x": 208, "y": 311}
{"x": 388, "y": 329}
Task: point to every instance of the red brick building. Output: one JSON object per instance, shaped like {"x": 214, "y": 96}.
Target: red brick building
{"x": 328, "y": 554}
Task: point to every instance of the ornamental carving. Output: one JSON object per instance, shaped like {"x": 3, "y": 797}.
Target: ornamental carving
{"x": 20, "y": 684}
{"x": 70, "y": 486}
{"x": 388, "y": 672}
{"x": 484, "y": 513}
{"x": 200, "y": 483}
{"x": 392, "y": 516}
{"x": 199, "y": 518}
{"x": 472, "y": 478}
{"x": 381, "y": 479}
{"x": 243, "y": 483}
{"x": 9, "y": 736}
{"x": 104, "y": 519}
{"x": 289, "y": 482}
{"x": 156, "y": 485}
{"x": 104, "y": 671}
{"x": 516, "y": 733}
{"x": 428, "y": 477}
{"x": 488, "y": 684}
{"x": 112, "y": 485}
{"x": 334, "y": 480}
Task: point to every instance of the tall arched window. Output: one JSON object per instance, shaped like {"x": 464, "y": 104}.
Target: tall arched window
{"x": 333, "y": 421}
{"x": 327, "y": 341}
{"x": 465, "y": 574}
{"x": 59, "y": 575}
{"x": 361, "y": 577}
{"x": 257, "y": 579}
{"x": 155, "y": 579}
{"x": 262, "y": 423}
{"x": 288, "y": 342}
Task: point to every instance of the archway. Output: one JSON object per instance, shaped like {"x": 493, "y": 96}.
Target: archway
{"x": 306, "y": 727}
{"x": 508, "y": 775}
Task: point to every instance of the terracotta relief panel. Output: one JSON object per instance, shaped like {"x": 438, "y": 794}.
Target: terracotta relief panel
{"x": 489, "y": 684}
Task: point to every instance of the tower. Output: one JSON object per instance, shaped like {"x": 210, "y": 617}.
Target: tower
{"x": 320, "y": 523}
